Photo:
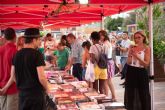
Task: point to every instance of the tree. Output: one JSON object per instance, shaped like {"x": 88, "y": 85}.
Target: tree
{"x": 142, "y": 19}
{"x": 112, "y": 24}
{"x": 158, "y": 28}
{"x": 131, "y": 19}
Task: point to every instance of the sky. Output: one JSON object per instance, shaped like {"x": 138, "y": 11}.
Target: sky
{"x": 123, "y": 15}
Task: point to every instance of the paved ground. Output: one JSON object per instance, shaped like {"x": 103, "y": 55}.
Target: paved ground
{"x": 159, "y": 93}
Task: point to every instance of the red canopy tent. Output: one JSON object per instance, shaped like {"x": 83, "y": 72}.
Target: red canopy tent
{"x": 36, "y": 13}
{"x": 21, "y": 14}
{"x": 126, "y": 2}
{"x": 33, "y": 15}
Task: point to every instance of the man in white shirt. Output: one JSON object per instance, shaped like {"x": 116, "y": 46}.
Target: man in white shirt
{"x": 124, "y": 46}
{"x": 125, "y": 43}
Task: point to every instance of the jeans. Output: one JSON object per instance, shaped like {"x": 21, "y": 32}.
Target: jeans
{"x": 123, "y": 61}
{"x": 77, "y": 71}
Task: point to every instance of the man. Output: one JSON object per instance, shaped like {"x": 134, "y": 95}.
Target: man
{"x": 117, "y": 52}
{"x": 8, "y": 91}
{"x": 29, "y": 65}
{"x": 75, "y": 57}
{"x": 124, "y": 46}
{"x": 125, "y": 43}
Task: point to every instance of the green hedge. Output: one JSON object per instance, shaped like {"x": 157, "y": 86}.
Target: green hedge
{"x": 159, "y": 50}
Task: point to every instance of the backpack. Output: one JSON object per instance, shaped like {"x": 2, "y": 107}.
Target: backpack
{"x": 102, "y": 61}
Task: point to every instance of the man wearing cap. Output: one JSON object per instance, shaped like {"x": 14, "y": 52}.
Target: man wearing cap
{"x": 8, "y": 91}
{"x": 29, "y": 65}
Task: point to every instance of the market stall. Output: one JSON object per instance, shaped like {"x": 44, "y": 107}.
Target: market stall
{"x": 21, "y": 14}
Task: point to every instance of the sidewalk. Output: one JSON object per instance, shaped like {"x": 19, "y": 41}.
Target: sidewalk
{"x": 159, "y": 93}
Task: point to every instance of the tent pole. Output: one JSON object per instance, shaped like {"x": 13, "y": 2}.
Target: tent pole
{"x": 150, "y": 13}
{"x": 102, "y": 21}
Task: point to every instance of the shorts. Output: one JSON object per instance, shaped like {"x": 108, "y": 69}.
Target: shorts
{"x": 100, "y": 73}
{"x": 9, "y": 102}
{"x": 118, "y": 62}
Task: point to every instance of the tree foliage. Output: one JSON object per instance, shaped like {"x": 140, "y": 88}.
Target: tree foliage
{"x": 112, "y": 24}
{"x": 158, "y": 28}
{"x": 142, "y": 19}
{"x": 131, "y": 19}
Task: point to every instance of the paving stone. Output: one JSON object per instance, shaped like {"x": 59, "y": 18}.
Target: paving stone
{"x": 159, "y": 93}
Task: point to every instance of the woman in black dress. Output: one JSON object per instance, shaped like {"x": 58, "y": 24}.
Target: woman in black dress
{"x": 137, "y": 95}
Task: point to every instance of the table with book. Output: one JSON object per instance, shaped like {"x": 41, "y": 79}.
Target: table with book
{"x": 70, "y": 94}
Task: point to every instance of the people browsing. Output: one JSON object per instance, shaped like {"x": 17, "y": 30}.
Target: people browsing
{"x": 100, "y": 74}
{"x": 50, "y": 63}
{"x": 62, "y": 55}
{"x": 110, "y": 63}
{"x": 75, "y": 58}
{"x": 85, "y": 57}
{"x": 49, "y": 45}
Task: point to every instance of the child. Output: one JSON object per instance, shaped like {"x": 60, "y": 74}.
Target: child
{"x": 50, "y": 62}
{"x": 85, "y": 57}
{"x": 62, "y": 54}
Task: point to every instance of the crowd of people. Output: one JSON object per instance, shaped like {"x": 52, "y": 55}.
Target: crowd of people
{"x": 23, "y": 83}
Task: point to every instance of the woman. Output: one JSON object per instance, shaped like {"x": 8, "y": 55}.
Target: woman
{"x": 115, "y": 53}
{"x": 49, "y": 45}
{"x": 137, "y": 96}
{"x": 62, "y": 54}
{"x": 100, "y": 74}
{"x": 110, "y": 63}
{"x": 20, "y": 43}
{"x": 63, "y": 40}
{"x": 85, "y": 57}
{"x": 2, "y": 41}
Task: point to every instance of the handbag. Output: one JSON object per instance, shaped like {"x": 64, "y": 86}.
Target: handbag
{"x": 89, "y": 74}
